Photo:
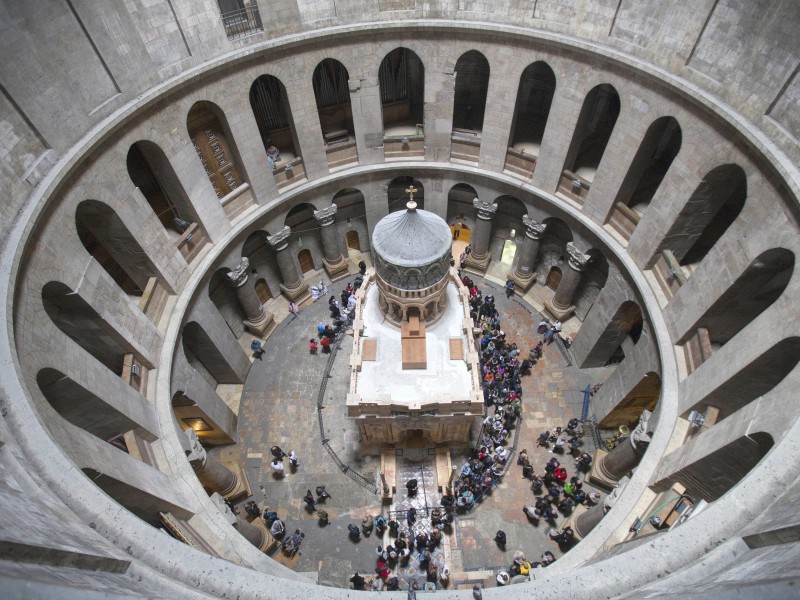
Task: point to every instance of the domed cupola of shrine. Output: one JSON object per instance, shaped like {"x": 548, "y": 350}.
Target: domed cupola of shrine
{"x": 412, "y": 261}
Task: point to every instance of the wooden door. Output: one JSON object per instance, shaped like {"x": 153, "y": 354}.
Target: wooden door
{"x": 352, "y": 241}
{"x": 262, "y": 291}
{"x": 212, "y": 148}
{"x": 553, "y": 278}
{"x": 306, "y": 262}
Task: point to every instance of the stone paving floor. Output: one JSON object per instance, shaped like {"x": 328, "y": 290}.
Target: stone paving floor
{"x": 279, "y": 407}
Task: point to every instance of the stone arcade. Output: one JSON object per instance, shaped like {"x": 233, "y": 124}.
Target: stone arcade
{"x": 631, "y": 165}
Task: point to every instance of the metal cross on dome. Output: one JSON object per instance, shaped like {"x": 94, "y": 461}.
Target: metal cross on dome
{"x": 411, "y": 190}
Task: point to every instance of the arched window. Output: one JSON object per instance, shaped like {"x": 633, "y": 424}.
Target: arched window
{"x": 332, "y": 92}
{"x": 110, "y": 243}
{"x": 469, "y": 105}
{"x": 401, "y": 78}
{"x": 761, "y": 284}
{"x": 83, "y": 325}
{"x": 537, "y": 85}
{"x": 658, "y": 149}
{"x": 204, "y": 356}
{"x": 589, "y": 140}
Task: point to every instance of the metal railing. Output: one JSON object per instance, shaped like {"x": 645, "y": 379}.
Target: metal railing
{"x": 346, "y": 469}
{"x": 242, "y": 22}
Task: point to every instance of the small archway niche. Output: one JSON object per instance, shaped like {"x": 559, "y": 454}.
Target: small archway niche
{"x": 306, "y": 260}
{"x": 552, "y": 260}
{"x": 353, "y": 240}
{"x": 553, "y": 278}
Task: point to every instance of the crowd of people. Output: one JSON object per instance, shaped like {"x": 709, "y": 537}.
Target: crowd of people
{"x": 556, "y": 491}
{"x": 341, "y": 313}
{"x": 407, "y": 540}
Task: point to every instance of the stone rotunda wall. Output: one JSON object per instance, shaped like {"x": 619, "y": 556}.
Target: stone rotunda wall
{"x": 82, "y": 83}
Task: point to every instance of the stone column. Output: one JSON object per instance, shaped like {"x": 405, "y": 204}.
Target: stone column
{"x": 587, "y": 520}
{"x": 561, "y": 306}
{"x": 293, "y": 286}
{"x": 524, "y": 274}
{"x": 478, "y": 260}
{"x": 257, "y": 318}
{"x": 609, "y": 467}
{"x": 255, "y": 532}
{"x": 252, "y": 533}
{"x": 212, "y": 474}
{"x": 335, "y": 264}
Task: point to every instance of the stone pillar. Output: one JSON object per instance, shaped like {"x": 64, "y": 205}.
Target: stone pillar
{"x": 252, "y": 533}
{"x": 335, "y": 264}
{"x": 524, "y": 275}
{"x": 609, "y": 467}
{"x": 587, "y": 520}
{"x": 255, "y": 532}
{"x": 212, "y": 474}
{"x": 293, "y": 286}
{"x": 561, "y": 306}
{"x": 258, "y": 320}
{"x": 478, "y": 260}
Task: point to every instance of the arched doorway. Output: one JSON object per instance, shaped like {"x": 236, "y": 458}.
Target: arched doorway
{"x": 305, "y": 260}
{"x": 553, "y": 278}
{"x": 262, "y": 291}
{"x": 352, "y": 241}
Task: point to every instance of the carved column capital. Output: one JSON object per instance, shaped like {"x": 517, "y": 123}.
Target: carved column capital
{"x": 237, "y": 276}
{"x": 279, "y": 241}
{"x": 326, "y": 216}
{"x": 640, "y": 435}
{"x": 533, "y": 230}
{"x": 577, "y": 259}
{"x": 485, "y": 210}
